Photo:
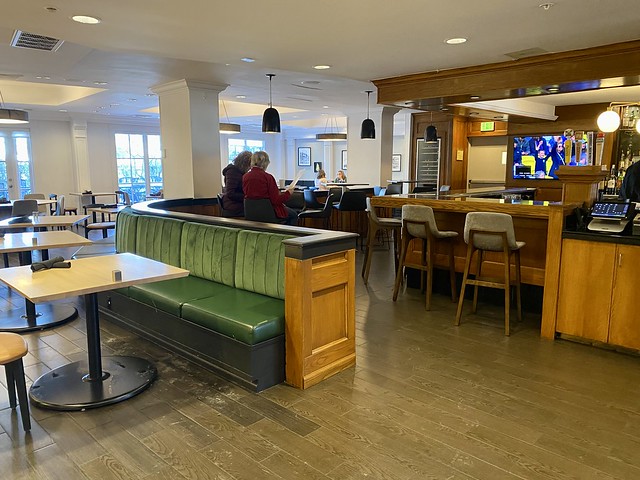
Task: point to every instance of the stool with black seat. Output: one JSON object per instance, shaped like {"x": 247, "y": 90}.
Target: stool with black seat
{"x": 261, "y": 210}
{"x": 352, "y": 213}
{"x": 491, "y": 232}
{"x": 311, "y": 201}
{"x": 377, "y": 224}
{"x": 223, "y": 211}
{"x": 324, "y": 213}
{"x": 418, "y": 221}
{"x": 337, "y": 193}
{"x": 296, "y": 201}
{"x": 12, "y": 349}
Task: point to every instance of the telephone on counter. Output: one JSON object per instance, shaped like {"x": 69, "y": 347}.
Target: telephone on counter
{"x": 610, "y": 216}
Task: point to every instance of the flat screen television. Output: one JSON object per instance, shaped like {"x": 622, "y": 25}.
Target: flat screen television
{"x": 538, "y": 157}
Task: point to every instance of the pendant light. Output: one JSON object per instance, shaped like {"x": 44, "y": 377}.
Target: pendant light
{"x": 270, "y": 117}
{"x": 228, "y": 128}
{"x": 368, "y": 130}
{"x": 431, "y": 133}
{"x": 11, "y": 116}
{"x": 330, "y": 134}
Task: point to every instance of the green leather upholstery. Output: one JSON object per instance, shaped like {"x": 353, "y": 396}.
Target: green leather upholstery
{"x": 260, "y": 263}
{"x": 126, "y": 224}
{"x": 159, "y": 239}
{"x": 245, "y": 316}
{"x": 169, "y": 295}
{"x": 209, "y": 252}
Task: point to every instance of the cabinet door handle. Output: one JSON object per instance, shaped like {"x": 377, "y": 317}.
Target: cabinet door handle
{"x": 620, "y": 260}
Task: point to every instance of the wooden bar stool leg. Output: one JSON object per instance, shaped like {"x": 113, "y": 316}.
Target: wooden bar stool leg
{"x": 518, "y": 296}
{"x": 480, "y": 259}
{"x": 467, "y": 267}
{"x": 507, "y": 288}
{"x": 429, "y": 274}
{"x": 366, "y": 267}
{"x": 403, "y": 255}
{"x": 452, "y": 273}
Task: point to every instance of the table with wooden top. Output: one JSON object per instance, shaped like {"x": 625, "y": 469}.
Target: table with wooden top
{"x": 47, "y": 315}
{"x": 42, "y": 221}
{"x": 97, "y": 381}
{"x": 107, "y": 210}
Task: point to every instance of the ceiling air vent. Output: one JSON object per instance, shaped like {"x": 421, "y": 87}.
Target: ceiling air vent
{"x": 529, "y": 52}
{"x": 36, "y": 42}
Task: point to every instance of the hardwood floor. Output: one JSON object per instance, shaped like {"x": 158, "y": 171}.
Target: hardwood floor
{"x": 425, "y": 400}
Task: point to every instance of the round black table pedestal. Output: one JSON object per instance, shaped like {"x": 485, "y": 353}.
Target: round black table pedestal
{"x": 68, "y": 388}
{"x": 46, "y": 316}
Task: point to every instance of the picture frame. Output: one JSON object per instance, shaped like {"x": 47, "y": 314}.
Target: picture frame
{"x": 343, "y": 163}
{"x": 317, "y": 166}
{"x": 304, "y": 156}
{"x": 396, "y": 162}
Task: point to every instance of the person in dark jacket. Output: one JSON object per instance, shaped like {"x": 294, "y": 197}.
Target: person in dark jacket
{"x": 630, "y": 189}
{"x": 233, "y": 198}
{"x": 257, "y": 184}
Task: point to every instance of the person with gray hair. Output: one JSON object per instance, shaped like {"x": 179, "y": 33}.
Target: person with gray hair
{"x": 257, "y": 184}
{"x": 233, "y": 198}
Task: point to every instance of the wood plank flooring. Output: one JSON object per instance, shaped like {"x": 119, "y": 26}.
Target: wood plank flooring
{"x": 426, "y": 400}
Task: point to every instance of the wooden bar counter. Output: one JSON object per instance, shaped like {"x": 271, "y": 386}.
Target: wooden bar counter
{"x": 537, "y": 223}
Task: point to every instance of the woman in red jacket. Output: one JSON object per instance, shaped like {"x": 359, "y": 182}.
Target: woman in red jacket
{"x": 257, "y": 184}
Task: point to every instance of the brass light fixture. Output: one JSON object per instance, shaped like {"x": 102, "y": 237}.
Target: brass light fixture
{"x": 228, "y": 128}
{"x": 609, "y": 120}
{"x": 331, "y": 132}
{"x": 270, "y": 117}
{"x": 10, "y": 116}
{"x": 368, "y": 130}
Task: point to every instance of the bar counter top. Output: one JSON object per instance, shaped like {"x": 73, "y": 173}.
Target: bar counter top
{"x": 602, "y": 237}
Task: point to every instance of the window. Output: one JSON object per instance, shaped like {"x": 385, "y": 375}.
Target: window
{"x": 15, "y": 164}
{"x": 237, "y": 145}
{"x": 139, "y": 164}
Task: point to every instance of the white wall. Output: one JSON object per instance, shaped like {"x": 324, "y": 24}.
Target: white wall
{"x": 51, "y": 153}
{"x": 485, "y": 158}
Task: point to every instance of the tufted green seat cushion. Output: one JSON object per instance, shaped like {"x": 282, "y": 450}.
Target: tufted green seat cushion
{"x": 126, "y": 224}
{"x": 209, "y": 252}
{"x": 159, "y": 238}
{"x": 260, "y": 263}
{"x": 245, "y": 316}
{"x": 170, "y": 295}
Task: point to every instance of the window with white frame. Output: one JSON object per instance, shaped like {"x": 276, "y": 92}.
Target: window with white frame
{"x": 139, "y": 164}
{"x": 16, "y": 170}
{"x": 237, "y": 145}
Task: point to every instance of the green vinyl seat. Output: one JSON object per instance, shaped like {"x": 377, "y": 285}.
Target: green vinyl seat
{"x": 170, "y": 295}
{"x": 245, "y": 316}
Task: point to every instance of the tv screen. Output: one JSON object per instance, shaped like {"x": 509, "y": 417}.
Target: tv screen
{"x": 538, "y": 157}
{"x": 610, "y": 210}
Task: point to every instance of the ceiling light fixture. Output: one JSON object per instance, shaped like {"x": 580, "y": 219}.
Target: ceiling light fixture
{"x": 11, "y": 116}
{"x": 322, "y": 67}
{"x": 241, "y": 96}
{"x": 455, "y": 41}
{"x": 431, "y": 133}
{"x": 86, "y": 19}
{"x": 270, "y": 117}
{"x": 331, "y": 133}
{"x": 248, "y": 59}
{"x": 610, "y": 120}
{"x": 368, "y": 129}
{"x": 228, "y": 128}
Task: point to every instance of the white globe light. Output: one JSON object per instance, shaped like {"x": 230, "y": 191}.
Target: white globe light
{"x": 608, "y": 121}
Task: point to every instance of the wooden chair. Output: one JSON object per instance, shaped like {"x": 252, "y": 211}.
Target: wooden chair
{"x": 376, "y": 224}
{"x": 418, "y": 221}
{"x": 491, "y": 232}
{"x": 12, "y": 349}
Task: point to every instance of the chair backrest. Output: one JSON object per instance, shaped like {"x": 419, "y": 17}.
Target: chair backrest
{"x": 424, "y": 189}
{"x": 353, "y": 201}
{"x": 328, "y": 206}
{"x": 220, "y": 198}
{"x": 24, "y": 207}
{"x": 124, "y": 199}
{"x": 490, "y": 222}
{"x": 371, "y": 211}
{"x": 337, "y": 193}
{"x": 310, "y": 199}
{"x": 60, "y": 205}
{"x": 296, "y": 201}
{"x": 422, "y": 214}
{"x": 37, "y": 196}
{"x": 393, "y": 189}
{"x": 260, "y": 210}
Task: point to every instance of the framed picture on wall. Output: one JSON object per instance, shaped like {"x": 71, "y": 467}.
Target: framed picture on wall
{"x": 304, "y": 156}
{"x": 344, "y": 160}
{"x": 317, "y": 166}
{"x": 396, "y": 162}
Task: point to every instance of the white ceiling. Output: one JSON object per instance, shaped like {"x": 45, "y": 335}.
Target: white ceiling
{"x": 143, "y": 43}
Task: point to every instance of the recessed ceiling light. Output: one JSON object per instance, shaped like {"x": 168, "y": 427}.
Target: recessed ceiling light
{"x": 455, "y": 41}
{"x": 325, "y": 106}
{"x": 99, "y": 83}
{"x": 248, "y": 59}
{"x": 498, "y": 117}
{"x": 321, "y": 67}
{"x": 114, "y": 105}
{"x": 43, "y": 77}
{"x": 475, "y": 97}
{"x": 546, "y": 6}
{"x": 149, "y": 94}
{"x": 241, "y": 96}
{"x": 63, "y": 110}
{"x": 132, "y": 99}
{"x": 86, "y": 19}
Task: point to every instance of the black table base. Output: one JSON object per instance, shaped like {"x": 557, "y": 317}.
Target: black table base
{"x": 46, "y": 316}
{"x": 69, "y": 387}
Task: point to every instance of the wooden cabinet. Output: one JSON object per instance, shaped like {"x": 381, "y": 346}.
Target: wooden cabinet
{"x": 597, "y": 286}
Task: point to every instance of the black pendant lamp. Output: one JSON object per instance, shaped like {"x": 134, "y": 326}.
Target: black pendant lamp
{"x": 368, "y": 127}
{"x": 431, "y": 133}
{"x": 270, "y": 117}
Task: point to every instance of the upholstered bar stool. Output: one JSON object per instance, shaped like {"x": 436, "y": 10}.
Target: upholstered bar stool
{"x": 418, "y": 221}
{"x": 491, "y": 232}
{"x": 12, "y": 349}
{"x": 393, "y": 225}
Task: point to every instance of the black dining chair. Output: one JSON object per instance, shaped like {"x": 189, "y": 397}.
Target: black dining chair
{"x": 296, "y": 201}
{"x": 324, "y": 213}
{"x": 310, "y": 200}
{"x": 260, "y": 210}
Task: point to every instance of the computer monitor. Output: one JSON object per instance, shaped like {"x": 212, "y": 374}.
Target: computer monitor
{"x": 611, "y": 210}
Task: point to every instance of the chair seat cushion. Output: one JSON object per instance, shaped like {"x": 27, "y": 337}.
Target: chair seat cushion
{"x": 446, "y": 234}
{"x": 170, "y": 295}
{"x": 248, "y": 317}
{"x": 389, "y": 222}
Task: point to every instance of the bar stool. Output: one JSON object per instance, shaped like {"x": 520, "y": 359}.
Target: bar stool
{"x": 418, "y": 221}
{"x": 12, "y": 349}
{"x": 376, "y": 223}
{"x": 491, "y": 232}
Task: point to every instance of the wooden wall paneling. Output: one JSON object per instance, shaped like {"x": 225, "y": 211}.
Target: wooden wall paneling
{"x": 624, "y": 328}
{"x": 443, "y": 123}
{"x": 552, "y": 272}
{"x": 473, "y": 129}
{"x": 320, "y": 317}
{"x": 459, "y": 143}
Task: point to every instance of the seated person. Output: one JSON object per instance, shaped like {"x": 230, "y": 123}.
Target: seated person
{"x": 341, "y": 177}
{"x": 321, "y": 180}
{"x": 233, "y": 198}
{"x": 257, "y": 184}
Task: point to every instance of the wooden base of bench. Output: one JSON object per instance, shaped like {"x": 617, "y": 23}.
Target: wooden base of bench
{"x": 255, "y": 367}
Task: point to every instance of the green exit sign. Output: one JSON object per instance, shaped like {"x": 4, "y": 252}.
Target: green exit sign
{"x": 487, "y": 126}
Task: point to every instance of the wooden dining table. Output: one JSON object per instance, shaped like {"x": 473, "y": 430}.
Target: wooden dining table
{"x": 97, "y": 381}
{"x": 42, "y": 221}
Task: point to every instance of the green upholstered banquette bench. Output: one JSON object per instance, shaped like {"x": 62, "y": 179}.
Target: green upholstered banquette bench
{"x": 228, "y": 314}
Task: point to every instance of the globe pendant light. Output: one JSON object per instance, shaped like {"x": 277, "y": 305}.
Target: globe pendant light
{"x": 368, "y": 130}
{"x": 608, "y": 121}
{"x": 228, "y": 128}
{"x": 10, "y": 116}
{"x": 431, "y": 133}
{"x": 270, "y": 117}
